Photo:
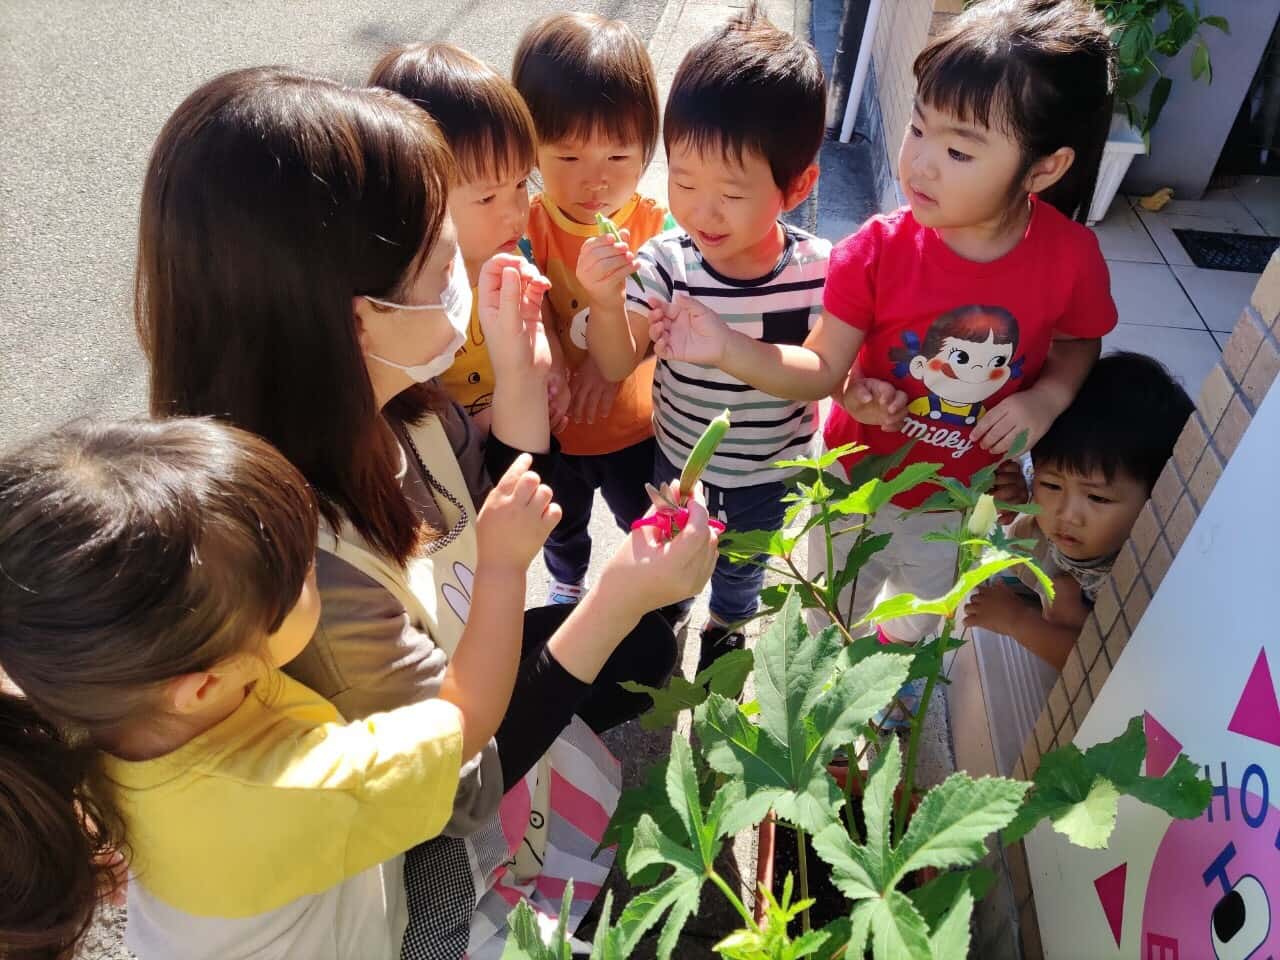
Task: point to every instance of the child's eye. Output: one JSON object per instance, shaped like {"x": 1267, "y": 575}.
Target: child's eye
{"x": 1050, "y": 485}
{"x": 958, "y": 156}
{"x": 485, "y": 201}
{"x": 683, "y": 186}
{"x": 914, "y": 131}
{"x": 1099, "y": 498}
{"x": 523, "y": 184}
{"x": 958, "y": 356}
{"x": 727, "y": 197}
{"x": 566, "y": 159}
{"x": 620, "y": 157}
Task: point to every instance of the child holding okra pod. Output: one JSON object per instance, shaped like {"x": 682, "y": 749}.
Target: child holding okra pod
{"x": 743, "y": 124}
{"x": 593, "y": 145}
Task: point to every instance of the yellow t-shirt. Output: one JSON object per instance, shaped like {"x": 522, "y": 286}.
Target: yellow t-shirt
{"x": 283, "y": 799}
{"x": 556, "y": 241}
{"x": 470, "y": 380}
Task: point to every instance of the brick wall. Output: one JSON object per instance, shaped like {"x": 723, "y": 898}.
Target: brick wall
{"x": 1230, "y": 395}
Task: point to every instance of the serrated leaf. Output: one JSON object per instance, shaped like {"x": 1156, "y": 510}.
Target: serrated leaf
{"x": 950, "y": 826}
{"x": 679, "y": 893}
{"x": 875, "y": 466}
{"x": 859, "y": 929}
{"x": 524, "y": 938}
{"x": 607, "y": 943}
{"x": 877, "y": 806}
{"x": 936, "y": 503}
{"x": 803, "y": 719}
{"x": 950, "y": 938}
{"x": 908, "y": 604}
{"x": 727, "y": 674}
{"x": 668, "y": 702}
{"x": 1089, "y": 823}
{"x": 897, "y": 930}
{"x": 839, "y": 933}
{"x": 821, "y": 463}
{"x": 851, "y": 871}
{"x": 1067, "y": 776}
{"x": 936, "y": 897}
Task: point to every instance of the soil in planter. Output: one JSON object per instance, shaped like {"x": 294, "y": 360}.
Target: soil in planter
{"x": 831, "y": 903}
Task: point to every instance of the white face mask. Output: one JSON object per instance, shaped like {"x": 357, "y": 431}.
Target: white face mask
{"x": 455, "y": 301}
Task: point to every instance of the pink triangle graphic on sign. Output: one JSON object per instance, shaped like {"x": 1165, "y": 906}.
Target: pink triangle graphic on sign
{"x": 1162, "y": 746}
{"x": 1258, "y": 714}
{"x": 1110, "y": 888}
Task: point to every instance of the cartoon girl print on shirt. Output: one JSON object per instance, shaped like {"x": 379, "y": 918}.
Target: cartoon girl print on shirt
{"x": 967, "y": 356}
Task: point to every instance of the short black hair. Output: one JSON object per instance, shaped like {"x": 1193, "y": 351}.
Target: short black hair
{"x": 1126, "y": 417}
{"x": 584, "y": 75}
{"x": 750, "y": 86}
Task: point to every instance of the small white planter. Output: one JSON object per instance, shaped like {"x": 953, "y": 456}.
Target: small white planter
{"x": 1124, "y": 143}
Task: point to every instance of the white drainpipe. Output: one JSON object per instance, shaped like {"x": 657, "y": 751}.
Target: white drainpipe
{"x": 860, "y": 70}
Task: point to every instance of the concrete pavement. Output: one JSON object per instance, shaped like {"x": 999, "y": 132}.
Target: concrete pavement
{"x": 85, "y": 86}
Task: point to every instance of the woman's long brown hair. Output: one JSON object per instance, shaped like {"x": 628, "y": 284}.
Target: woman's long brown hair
{"x": 130, "y": 553}
{"x": 271, "y": 199}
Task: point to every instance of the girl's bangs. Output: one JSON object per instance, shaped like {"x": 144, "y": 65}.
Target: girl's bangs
{"x": 971, "y": 84}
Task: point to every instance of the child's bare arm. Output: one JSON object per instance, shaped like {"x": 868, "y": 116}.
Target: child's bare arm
{"x": 1033, "y": 410}
{"x": 687, "y": 330}
{"x": 996, "y": 607}
{"x": 617, "y": 338}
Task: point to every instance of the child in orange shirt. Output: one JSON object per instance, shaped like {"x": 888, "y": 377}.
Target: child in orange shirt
{"x": 491, "y": 136}
{"x": 593, "y": 146}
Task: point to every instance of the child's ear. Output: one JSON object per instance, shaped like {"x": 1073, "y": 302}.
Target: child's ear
{"x": 192, "y": 692}
{"x": 1048, "y": 170}
{"x": 800, "y": 187}
{"x": 360, "y": 315}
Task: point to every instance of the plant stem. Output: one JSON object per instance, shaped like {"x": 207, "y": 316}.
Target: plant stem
{"x": 848, "y": 791}
{"x": 733, "y": 899}
{"x": 833, "y": 596}
{"x": 804, "y": 876}
{"x": 913, "y": 744}
{"x": 822, "y": 600}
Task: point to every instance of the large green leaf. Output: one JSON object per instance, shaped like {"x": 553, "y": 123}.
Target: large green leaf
{"x": 1067, "y": 790}
{"x": 1159, "y": 97}
{"x": 1218, "y": 22}
{"x": 936, "y": 898}
{"x": 908, "y": 604}
{"x": 950, "y": 938}
{"x": 745, "y": 545}
{"x": 898, "y": 932}
{"x": 821, "y": 463}
{"x": 874, "y": 466}
{"x": 726, "y": 676}
{"x": 858, "y": 557}
{"x": 1201, "y": 66}
{"x": 853, "y": 871}
{"x": 806, "y": 713}
{"x": 877, "y": 807}
{"x": 951, "y": 825}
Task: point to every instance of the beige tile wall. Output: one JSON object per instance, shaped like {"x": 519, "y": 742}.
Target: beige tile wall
{"x": 901, "y": 32}
{"x": 1230, "y": 395}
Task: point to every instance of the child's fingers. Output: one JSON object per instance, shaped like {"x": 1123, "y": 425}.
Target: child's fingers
{"x": 519, "y": 467}
{"x": 525, "y": 489}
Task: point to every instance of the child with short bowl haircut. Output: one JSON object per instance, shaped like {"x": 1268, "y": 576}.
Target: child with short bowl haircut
{"x": 590, "y": 88}
{"x": 743, "y": 125}
{"x": 970, "y": 316}
{"x": 1093, "y": 471}
{"x": 491, "y": 135}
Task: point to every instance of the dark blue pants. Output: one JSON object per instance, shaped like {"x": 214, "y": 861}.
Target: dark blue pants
{"x": 735, "y": 587}
{"x": 620, "y": 477}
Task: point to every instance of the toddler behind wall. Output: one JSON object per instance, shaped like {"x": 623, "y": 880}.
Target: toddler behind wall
{"x": 1093, "y": 471}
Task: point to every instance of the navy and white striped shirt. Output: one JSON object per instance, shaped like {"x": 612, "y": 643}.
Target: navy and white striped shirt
{"x": 779, "y": 307}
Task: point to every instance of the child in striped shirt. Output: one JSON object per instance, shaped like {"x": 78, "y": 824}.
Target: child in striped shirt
{"x": 743, "y": 125}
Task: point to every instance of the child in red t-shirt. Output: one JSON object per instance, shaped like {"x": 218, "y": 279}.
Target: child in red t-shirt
{"x": 973, "y": 314}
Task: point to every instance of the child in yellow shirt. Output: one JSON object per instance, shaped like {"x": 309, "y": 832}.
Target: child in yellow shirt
{"x": 491, "y": 136}
{"x": 590, "y": 87}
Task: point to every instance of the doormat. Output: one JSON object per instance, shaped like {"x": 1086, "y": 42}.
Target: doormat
{"x": 1227, "y": 251}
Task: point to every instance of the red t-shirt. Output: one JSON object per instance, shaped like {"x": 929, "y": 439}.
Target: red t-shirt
{"x": 958, "y": 336}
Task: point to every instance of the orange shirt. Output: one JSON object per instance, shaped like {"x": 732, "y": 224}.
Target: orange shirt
{"x": 556, "y": 241}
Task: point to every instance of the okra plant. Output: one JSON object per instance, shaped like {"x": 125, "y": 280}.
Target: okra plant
{"x": 819, "y": 693}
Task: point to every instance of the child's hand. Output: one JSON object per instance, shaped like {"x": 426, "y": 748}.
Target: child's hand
{"x": 516, "y": 519}
{"x": 510, "y": 293}
{"x": 686, "y": 330}
{"x": 875, "y": 402}
{"x": 1010, "y": 487}
{"x": 994, "y": 606}
{"x": 593, "y": 395}
{"x": 603, "y": 266}
{"x": 647, "y": 573}
{"x": 1027, "y": 411}
{"x": 558, "y": 398}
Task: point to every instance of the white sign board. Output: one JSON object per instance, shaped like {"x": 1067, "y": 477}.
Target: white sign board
{"x": 1202, "y": 669}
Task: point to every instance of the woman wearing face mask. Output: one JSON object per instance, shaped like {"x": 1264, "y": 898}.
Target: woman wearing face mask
{"x": 298, "y": 276}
